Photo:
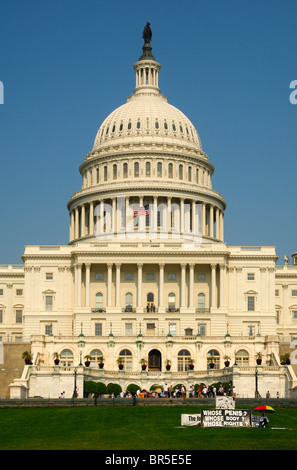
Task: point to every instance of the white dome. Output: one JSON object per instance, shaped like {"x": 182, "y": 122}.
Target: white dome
{"x": 147, "y": 118}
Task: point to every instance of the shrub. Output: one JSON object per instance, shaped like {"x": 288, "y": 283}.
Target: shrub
{"x": 114, "y": 388}
{"x": 96, "y": 388}
{"x": 133, "y": 388}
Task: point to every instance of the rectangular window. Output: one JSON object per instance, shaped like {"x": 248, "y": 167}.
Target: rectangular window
{"x": 251, "y": 330}
{"x": 201, "y": 277}
{"x": 1, "y": 291}
{"x": 48, "y": 302}
{"x": 171, "y": 277}
{"x": 129, "y": 277}
{"x": 251, "y": 277}
{"x": 98, "y": 329}
{"x": 172, "y": 329}
{"x": 202, "y": 329}
{"x": 251, "y": 304}
{"x": 276, "y": 293}
{"x": 19, "y": 292}
{"x": 49, "y": 276}
{"x": 150, "y": 276}
{"x": 19, "y": 316}
{"x": 99, "y": 276}
{"x": 294, "y": 293}
{"x": 294, "y": 315}
{"x": 1, "y": 316}
{"x": 128, "y": 329}
{"x": 150, "y": 329}
{"x": 48, "y": 330}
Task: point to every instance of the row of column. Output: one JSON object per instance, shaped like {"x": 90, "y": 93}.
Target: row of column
{"x": 184, "y": 302}
{"x": 116, "y": 215}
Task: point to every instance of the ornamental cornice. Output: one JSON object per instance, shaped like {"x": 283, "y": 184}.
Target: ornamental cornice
{"x": 88, "y": 195}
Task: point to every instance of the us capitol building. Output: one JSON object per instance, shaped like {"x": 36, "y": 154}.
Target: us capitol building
{"x": 147, "y": 275}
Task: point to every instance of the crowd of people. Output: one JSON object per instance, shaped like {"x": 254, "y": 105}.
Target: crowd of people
{"x": 169, "y": 391}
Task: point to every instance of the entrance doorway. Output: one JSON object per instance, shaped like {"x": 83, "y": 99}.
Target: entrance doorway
{"x": 154, "y": 360}
{"x": 150, "y": 306}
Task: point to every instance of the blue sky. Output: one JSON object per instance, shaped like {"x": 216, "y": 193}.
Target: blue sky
{"x": 66, "y": 64}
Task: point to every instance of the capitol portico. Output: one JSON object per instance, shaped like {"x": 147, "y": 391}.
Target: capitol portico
{"x": 147, "y": 274}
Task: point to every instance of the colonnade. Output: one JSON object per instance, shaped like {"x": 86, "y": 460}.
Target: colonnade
{"x": 186, "y": 285}
{"x": 175, "y": 215}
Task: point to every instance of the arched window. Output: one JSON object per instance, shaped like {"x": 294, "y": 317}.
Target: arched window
{"x": 242, "y": 358}
{"x": 128, "y": 302}
{"x": 190, "y": 173}
{"x": 201, "y": 302}
{"x": 125, "y": 170}
{"x": 170, "y": 170}
{"x": 171, "y": 301}
{"x": 114, "y": 172}
{"x": 99, "y": 301}
{"x": 66, "y": 358}
{"x": 96, "y": 356}
{"x": 148, "y": 169}
{"x": 180, "y": 172}
{"x": 183, "y": 360}
{"x": 159, "y": 170}
{"x": 213, "y": 356}
{"x": 150, "y": 297}
{"x": 127, "y": 359}
{"x": 136, "y": 170}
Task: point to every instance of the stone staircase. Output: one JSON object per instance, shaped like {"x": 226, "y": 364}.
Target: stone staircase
{"x": 12, "y": 365}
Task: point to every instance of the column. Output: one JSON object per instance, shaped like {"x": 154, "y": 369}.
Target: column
{"x": 211, "y": 221}
{"x": 83, "y": 220}
{"x": 127, "y": 211}
{"x": 217, "y": 223}
{"x": 79, "y": 268}
{"x": 222, "y": 284}
{"x": 101, "y": 224}
{"x": 141, "y": 219}
{"x": 71, "y": 231}
{"x": 222, "y": 225}
{"x": 118, "y": 284}
{"x": 169, "y": 217}
{"x": 182, "y": 216}
{"x": 194, "y": 221}
{"x": 88, "y": 276}
{"x": 76, "y": 235}
{"x": 183, "y": 285}
{"x": 161, "y": 285}
{"x": 203, "y": 219}
{"x": 139, "y": 285}
{"x": 155, "y": 215}
{"x": 109, "y": 284}
{"x": 191, "y": 286}
{"x": 75, "y": 285}
{"x": 91, "y": 219}
{"x": 114, "y": 216}
{"x": 213, "y": 286}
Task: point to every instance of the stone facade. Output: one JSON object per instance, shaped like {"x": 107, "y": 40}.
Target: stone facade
{"x": 147, "y": 274}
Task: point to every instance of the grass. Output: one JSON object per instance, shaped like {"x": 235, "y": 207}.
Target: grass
{"x": 135, "y": 428}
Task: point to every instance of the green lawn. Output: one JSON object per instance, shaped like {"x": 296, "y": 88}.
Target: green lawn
{"x": 135, "y": 428}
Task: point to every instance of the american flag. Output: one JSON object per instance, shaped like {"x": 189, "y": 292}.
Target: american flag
{"x": 140, "y": 210}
